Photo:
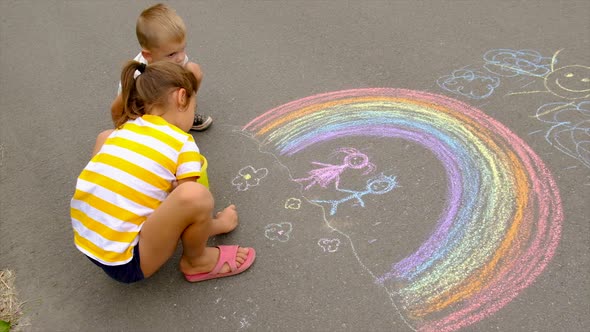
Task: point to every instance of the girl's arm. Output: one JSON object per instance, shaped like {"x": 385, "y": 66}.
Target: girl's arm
{"x": 102, "y": 137}
{"x": 181, "y": 181}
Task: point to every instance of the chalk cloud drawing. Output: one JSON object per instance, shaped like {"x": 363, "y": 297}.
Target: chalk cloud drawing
{"x": 568, "y": 82}
{"x": 569, "y": 120}
{"x": 570, "y": 128}
{"x": 469, "y": 83}
{"x": 378, "y": 185}
{"x": 329, "y": 173}
{"x": 249, "y": 177}
{"x": 278, "y": 232}
{"x": 329, "y": 245}
{"x": 487, "y": 246}
{"x": 510, "y": 63}
{"x": 293, "y": 204}
{"x": 475, "y": 84}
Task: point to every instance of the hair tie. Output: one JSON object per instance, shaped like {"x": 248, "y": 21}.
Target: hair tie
{"x": 141, "y": 67}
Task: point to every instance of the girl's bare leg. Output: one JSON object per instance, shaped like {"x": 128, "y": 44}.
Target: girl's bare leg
{"x": 186, "y": 215}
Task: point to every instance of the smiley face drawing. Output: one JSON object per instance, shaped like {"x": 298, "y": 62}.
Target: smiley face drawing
{"x": 569, "y": 82}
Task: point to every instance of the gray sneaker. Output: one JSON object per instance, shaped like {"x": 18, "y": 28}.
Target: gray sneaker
{"x": 201, "y": 122}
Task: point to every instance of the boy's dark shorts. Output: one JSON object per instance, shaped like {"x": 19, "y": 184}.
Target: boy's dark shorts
{"x": 126, "y": 273}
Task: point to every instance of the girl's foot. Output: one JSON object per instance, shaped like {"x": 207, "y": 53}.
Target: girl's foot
{"x": 225, "y": 221}
{"x": 207, "y": 262}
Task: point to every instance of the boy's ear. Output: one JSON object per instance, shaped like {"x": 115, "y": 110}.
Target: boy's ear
{"x": 147, "y": 55}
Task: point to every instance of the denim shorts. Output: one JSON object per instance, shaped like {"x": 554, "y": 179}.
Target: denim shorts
{"x": 127, "y": 273}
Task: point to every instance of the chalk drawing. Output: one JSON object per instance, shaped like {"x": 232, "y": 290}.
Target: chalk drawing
{"x": 278, "y": 232}
{"x": 570, "y": 128}
{"x": 378, "y": 185}
{"x": 469, "y": 83}
{"x": 502, "y": 221}
{"x": 328, "y": 173}
{"x": 569, "y": 119}
{"x": 293, "y": 204}
{"x": 249, "y": 177}
{"x": 510, "y": 63}
{"x": 244, "y": 316}
{"x": 475, "y": 84}
{"x": 568, "y": 82}
{"x": 329, "y": 245}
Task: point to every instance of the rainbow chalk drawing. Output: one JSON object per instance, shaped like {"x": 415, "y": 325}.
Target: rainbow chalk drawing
{"x": 503, "y": 216}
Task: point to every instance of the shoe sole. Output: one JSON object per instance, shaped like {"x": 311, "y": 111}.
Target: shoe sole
{"x": 203, "y": 126}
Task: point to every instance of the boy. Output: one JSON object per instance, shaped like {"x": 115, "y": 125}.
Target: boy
{"x": 162, "y": 36}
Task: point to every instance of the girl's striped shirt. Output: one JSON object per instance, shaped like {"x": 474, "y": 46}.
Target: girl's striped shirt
{"x": 125, "y": 182}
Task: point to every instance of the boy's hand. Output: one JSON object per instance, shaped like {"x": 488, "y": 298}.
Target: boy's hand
{"x": 196, "y": 70}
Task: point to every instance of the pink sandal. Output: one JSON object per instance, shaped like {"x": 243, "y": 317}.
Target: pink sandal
{"x": 227, "y": 254}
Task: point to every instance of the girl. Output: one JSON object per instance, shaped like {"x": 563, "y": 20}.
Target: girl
{"x": 138, "y": 195}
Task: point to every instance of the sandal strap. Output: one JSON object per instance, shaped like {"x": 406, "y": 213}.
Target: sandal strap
{"x": 227, "y": 254}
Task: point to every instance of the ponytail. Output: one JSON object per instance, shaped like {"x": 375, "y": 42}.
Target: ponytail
{"x": 133, "y": 107}
{"x": 151, "y": 87}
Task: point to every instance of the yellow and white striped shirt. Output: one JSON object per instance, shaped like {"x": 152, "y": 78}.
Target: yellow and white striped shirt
{"x": 125, "y": 182}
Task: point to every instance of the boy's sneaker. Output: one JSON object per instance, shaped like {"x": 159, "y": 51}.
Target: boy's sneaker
{"x": 201, "y": 122}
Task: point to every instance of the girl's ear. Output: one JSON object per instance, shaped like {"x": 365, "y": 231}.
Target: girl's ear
{"x": 181, "y": 98}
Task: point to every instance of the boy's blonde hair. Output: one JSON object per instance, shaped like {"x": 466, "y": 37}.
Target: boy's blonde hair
{"x": 159, "y": 24}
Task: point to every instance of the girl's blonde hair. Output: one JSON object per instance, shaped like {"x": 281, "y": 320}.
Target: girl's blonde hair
{"x": 152, "y": 87}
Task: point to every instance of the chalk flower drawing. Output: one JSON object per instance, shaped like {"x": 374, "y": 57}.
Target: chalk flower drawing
{"x": 469, "y": 83}
{"x": 278, "y": 232}
{"x": 570, "y": 130}
{"x": 293, "y": 204}
{"x": 510, "y": 63}
{"x": 329, "y": 245}
{"x": 249, "y": 177}
{"x": 378, "y": 185}
{"x": 487, "y": 246}
{"x": 329, "y": 173}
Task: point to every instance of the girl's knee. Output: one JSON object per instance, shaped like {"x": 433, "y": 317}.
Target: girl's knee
{"x": 194, "y": 195}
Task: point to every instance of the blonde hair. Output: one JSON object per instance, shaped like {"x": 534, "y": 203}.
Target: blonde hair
{"x": 152, "y": 86}
{"x": 159, "y": 24}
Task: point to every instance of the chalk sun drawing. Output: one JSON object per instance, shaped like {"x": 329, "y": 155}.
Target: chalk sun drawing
{"x": 378, "y": 185}
{"x": 503, "y": 217}
{"x": 249, "y": 177}
{"x": 569, "y": 131}
{"x": 328, "y": 173}
{"x": 568, "y": 82}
